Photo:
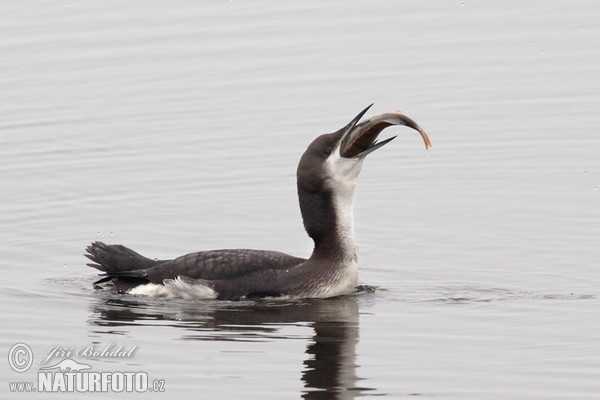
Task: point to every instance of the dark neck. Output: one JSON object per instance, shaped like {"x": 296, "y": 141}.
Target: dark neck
{"x": 328, "y": 221}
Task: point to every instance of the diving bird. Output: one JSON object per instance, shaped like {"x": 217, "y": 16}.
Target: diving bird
{"x": 326, "y": 180}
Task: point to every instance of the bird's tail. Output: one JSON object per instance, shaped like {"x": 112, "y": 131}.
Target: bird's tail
{"x": 115, "y": 259}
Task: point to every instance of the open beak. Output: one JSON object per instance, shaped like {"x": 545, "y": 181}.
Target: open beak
{"x": 359, "y": 140}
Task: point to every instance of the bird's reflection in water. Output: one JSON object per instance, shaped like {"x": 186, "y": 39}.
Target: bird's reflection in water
{"x": 330, "y": 357}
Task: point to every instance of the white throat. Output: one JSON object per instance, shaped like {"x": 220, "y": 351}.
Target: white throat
{"x": 343, "y": 174}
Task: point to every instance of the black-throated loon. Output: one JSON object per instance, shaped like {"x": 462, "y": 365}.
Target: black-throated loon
{"x": 326, "y": 179}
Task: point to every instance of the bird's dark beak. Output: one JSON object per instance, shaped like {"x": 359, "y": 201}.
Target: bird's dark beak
{"x": 359, "y": 140}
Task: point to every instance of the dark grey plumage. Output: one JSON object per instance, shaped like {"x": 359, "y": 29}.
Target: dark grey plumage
{"x": 131, "y": 269}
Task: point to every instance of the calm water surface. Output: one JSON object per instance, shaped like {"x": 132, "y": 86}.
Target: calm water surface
{"x": 175, "y": 127}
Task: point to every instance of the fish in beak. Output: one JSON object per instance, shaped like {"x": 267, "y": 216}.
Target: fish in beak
{"x": 360, "y": 139}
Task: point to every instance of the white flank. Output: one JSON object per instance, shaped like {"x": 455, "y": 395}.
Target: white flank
{"x": 176, "y": 289}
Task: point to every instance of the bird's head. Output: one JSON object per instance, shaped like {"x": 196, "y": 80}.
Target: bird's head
{"x": 334, "y": 160}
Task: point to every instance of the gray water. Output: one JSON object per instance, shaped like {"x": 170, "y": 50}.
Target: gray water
{"x": 173, "y": 127}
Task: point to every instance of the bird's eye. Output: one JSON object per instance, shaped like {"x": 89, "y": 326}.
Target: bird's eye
{"x": 327, "y": 151}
